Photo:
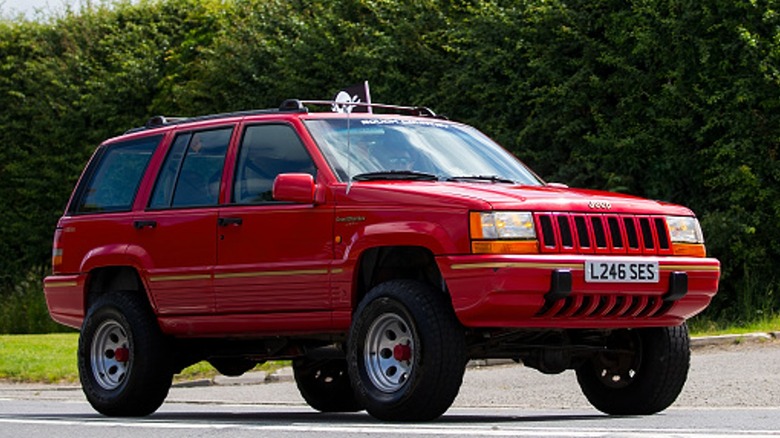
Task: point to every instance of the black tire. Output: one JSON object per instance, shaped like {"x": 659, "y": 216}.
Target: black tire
{"x": 643, "y": 383}
{"x": 122, "y": 357}
{"x": 325, "y": 385}
{"x": 420, "y": 376}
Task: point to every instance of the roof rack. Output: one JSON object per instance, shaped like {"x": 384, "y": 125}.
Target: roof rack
{"x": 288, "y": 106}
{"x": 421, "y": 111}
{"x": 160, "y": 121}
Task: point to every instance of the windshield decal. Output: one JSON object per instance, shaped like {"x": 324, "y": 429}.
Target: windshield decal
{"x": 405, "y": 122}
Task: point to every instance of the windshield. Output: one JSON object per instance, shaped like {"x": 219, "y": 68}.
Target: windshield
{"x": 363, "y": 149}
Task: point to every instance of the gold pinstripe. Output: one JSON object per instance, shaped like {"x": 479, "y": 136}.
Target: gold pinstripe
{"x": 272, "y": 273}
{"x": 689, "y": 268}
{"x": 499, "y": 265}
{"x": 530, "y": 265}
{"x": 55, "y": 283}
{"x": 244, "y": 275}
{"x": 180, "y": 277}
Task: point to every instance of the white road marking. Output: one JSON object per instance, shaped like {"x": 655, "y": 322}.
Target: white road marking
{"x": 406, "y": 429}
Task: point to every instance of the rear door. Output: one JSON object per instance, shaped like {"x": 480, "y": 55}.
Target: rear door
{"x": 273, "y": 257}
{"x": 177, "y": 232}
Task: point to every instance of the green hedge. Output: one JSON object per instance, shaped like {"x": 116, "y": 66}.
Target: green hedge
{"x": 672, "y": 100}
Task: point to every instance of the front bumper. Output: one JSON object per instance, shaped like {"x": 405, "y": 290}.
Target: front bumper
{"x": 550, "y": 291}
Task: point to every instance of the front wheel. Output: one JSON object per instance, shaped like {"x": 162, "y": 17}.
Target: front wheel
{"x": 122, "y": 357}
{"x": 406, "y": 352}
{"x": 641, "y": 372}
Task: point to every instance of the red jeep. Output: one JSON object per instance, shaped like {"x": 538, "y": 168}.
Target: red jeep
{"x": 378, "y": 252}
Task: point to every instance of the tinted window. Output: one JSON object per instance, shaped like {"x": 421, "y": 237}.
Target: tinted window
{"x": 163, "y": 189}
{"x": 113, "y": 182}
{"x": 192, "y": 171}
{"x": 266, "y": 151}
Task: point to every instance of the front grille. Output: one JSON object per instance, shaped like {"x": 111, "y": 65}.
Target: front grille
{"x": 606, "y": 306}
{"x": 576, "y": 233}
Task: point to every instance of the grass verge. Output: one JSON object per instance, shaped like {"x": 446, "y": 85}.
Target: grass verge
{"x": 39, "y": 358}
{"x": 52, "y": 359}
{"x": 706, "y": 327}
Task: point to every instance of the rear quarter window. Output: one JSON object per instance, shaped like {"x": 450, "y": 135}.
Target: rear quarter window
{"x": 112, "y": 180}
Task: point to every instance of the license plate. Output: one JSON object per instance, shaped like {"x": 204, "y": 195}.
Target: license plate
{"x": 621, "y": 271}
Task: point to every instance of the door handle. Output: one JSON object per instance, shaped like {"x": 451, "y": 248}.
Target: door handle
{"x": 140, "y": 225}
{"x": 227, "y": 221}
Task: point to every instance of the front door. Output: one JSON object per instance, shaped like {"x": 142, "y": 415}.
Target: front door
{"x": 272, "y": 257}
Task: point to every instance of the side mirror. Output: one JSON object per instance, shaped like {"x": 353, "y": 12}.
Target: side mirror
{"x": 295, "y": 187}
{"x": 557, "y": 185}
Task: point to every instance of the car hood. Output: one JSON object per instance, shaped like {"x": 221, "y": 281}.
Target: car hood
{"x": 489, "y": 196}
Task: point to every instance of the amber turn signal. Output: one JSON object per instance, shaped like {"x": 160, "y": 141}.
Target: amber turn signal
{"x": 505, "y": 247}
{"x": 689, "y": 249}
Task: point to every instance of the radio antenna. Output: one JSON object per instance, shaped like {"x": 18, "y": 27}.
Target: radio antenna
{"x": 349, "y": 151}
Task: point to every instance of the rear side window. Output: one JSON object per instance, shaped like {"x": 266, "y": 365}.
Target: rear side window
{"x": 192, "y": 171}
{"x": 112, "y": 181}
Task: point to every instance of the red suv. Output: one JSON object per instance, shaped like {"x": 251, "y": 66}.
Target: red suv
{"x": 378, "y": 252}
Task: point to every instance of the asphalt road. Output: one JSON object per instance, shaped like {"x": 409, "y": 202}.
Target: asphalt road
{"x": 731, "y": 391}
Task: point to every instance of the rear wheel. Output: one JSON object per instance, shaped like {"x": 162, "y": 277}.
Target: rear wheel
{"x": 325, "y": 385}
{"x": 406, "y": 352}
{"x": 641, "y": 373}
{"x": 122, "y": 357}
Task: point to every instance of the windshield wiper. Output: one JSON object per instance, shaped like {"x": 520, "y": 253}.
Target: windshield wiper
{"x": 489, "y": 178}
{"x": 395, "y": 175}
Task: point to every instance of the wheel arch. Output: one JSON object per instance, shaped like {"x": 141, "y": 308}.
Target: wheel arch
{"x": 114, "y": 268}
{"x": 105, "y": 279}
{"x": 379, "y": 264}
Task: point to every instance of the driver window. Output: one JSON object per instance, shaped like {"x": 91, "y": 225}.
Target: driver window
{"x": 266, "y": 151}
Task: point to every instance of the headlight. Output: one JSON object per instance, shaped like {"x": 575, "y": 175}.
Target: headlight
{"x": 502, "y": 225}
{"x": 684, "y": 229}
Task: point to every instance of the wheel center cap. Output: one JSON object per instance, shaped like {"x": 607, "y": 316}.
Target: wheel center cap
{"x": 402, "y": 352}
{"x": 122, "y": 354}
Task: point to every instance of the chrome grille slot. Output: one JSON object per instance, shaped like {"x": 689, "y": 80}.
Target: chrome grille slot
{"x": 660, "y": 231}
{"x": 548, "y": 235}
{"x": 615, "y": 232}
{"x": 582, "y": 231}
{"x": 647, "y": 233}
{"x": 633, "y": 236}
{"x": 566, "y": 231}
{"x": 598, "y": 231}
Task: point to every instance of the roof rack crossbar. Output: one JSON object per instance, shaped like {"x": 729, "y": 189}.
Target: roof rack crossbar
{"x": 293, "y": 105}
{"x": 157, "y": 121}
{"x": 416, "y": 110}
